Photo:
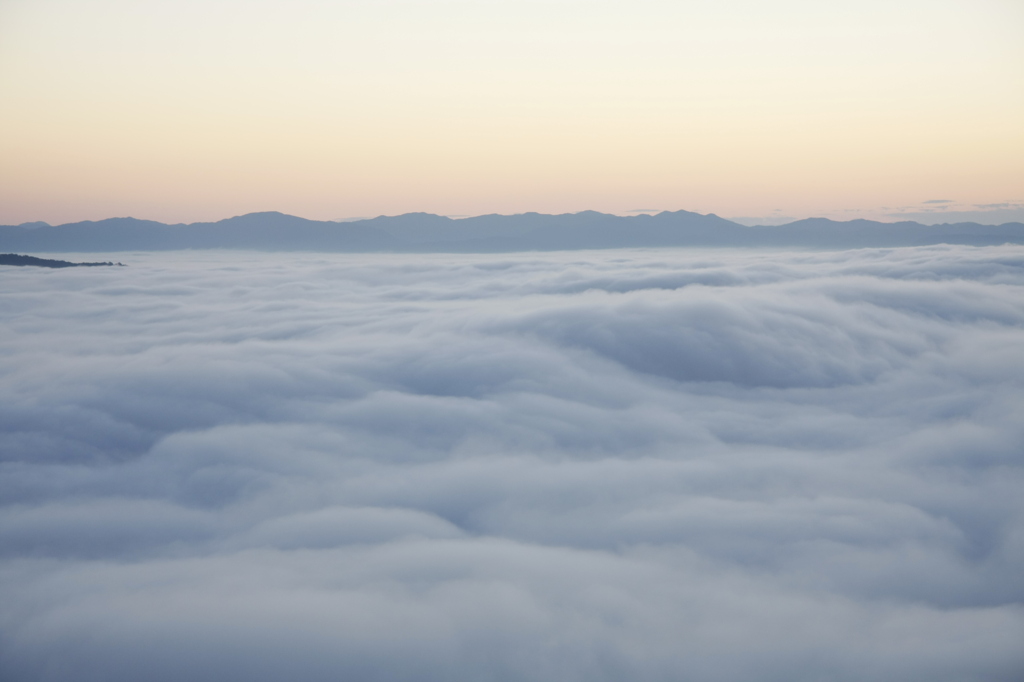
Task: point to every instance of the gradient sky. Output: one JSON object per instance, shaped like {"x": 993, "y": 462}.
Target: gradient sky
{"x": 199, "y": 110}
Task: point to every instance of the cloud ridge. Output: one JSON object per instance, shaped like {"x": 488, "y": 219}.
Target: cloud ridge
{"x": 710, "y": 465}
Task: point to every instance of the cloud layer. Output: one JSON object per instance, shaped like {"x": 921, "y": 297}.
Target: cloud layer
{"x": 621, "y": 465}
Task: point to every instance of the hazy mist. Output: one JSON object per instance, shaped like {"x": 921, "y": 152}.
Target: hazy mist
{"x": 717, "y": 465}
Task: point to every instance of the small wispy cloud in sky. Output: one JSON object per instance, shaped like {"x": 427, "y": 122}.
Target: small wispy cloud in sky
{"x": 1005, "y": 204}
{"x": 949, "y": 211}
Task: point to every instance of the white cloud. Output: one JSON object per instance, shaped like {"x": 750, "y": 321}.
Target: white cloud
{"x": 710, "y": 465}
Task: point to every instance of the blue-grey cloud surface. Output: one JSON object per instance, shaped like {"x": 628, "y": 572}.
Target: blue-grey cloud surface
{"x": 618, "y": 465}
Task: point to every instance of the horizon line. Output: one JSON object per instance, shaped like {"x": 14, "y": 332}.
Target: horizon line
{"x": 649, "y": 213}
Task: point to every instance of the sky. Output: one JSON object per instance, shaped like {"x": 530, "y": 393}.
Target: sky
{"x": 200, "y": 110}
{"x": 630, "y": 465}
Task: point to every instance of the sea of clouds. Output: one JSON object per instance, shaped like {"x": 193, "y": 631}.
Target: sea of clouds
{"x": 634, "y": 465}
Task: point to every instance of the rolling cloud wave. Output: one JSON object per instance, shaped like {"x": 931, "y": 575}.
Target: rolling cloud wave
{"x": 644, "y": 465}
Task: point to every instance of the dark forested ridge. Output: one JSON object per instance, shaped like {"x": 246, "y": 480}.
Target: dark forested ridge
{"x": 423, "y": 232}
{"x": 15, "y": 259}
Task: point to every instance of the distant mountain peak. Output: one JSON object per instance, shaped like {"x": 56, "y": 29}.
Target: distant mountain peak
{"x": 428, "y": 232}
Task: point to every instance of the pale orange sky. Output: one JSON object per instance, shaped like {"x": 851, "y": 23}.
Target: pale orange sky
{"x": 188, "y": 110}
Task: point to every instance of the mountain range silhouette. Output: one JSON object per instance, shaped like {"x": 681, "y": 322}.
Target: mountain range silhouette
{"x": 424, "y": 232}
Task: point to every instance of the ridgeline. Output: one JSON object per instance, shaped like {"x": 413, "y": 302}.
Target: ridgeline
{"x": 424, "y": 232}
{"x": 15, "y": 259}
